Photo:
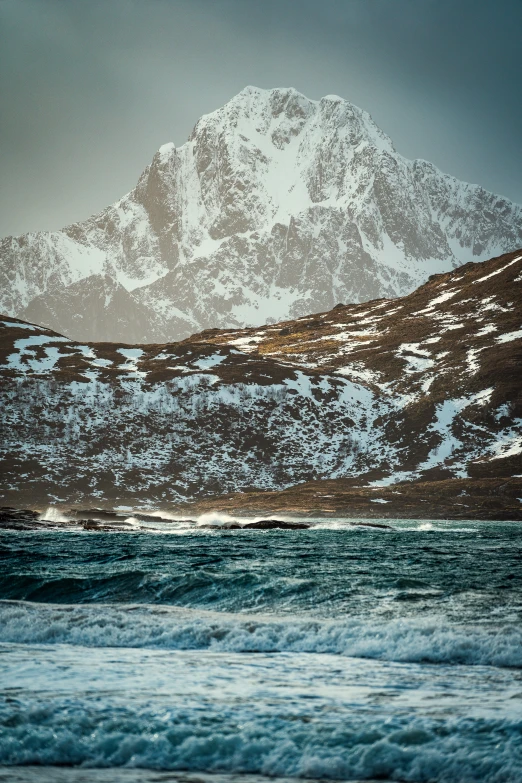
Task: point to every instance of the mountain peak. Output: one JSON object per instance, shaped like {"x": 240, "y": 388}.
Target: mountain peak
{"x": 270, "y": 93}
{"x": 277, "y": 206}
{"x": 166, "y": 149}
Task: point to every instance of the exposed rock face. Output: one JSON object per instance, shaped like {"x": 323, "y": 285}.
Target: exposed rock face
{"x": 18, "y": 519}
{"x": 107, "y": 308}
{"x": 277, "y": 206}
{"x": 422, "y": 388}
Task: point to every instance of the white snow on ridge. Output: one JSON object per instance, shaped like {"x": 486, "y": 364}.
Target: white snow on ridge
{"x": 507, "y": 337}
{"x": 359, "y": 374}
{"x": 206, "y": 362}
{"x": 508, "y": 443}
{"x": 446, "y": 412}
{"x": 434, "y": 302}
{"x": 25, "y": 350}
{"x": 471, "y": 358}
{"x": 486, "y": 330}
{"x": 498, "y": 271}
{"x": 16, "y": 325}
{"x": 418, "y": 359}
{"x": 348, "y": 335}
{"x": 132, "y": 356}
{"x": 166, "y": 149}
{"x": 247, "y": 344}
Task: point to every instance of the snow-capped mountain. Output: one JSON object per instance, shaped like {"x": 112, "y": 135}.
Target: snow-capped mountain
{"x": 276, "y": 206}
{"x": 420, "y": 388}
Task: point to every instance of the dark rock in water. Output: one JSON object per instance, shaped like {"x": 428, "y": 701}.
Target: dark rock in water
{"x": 379, "y": 525}
{"x": 100, "y": 527}
{"x": 91, "y": 524}
{"x": 18, "y": 519}
{"x": 275, "y": 524}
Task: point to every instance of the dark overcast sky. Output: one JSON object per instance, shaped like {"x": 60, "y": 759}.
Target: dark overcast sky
{"x": 89, "y": 89}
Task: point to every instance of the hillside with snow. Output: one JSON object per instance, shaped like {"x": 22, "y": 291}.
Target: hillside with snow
{"x": 277, "y": 206}
{"x": 381, "y": 395}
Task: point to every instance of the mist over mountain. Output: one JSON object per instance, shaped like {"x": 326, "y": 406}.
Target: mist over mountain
{"x": 277, "y": 206}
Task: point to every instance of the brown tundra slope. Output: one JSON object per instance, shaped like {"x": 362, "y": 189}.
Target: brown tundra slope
{"x": 405, "y": 407}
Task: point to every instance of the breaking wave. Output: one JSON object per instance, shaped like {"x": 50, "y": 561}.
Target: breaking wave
{"x": 234, "y": 739}
{"x": 430, "y": 640}
{"x": 333, "y": 656}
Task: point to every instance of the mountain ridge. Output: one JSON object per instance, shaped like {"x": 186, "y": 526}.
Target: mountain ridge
{"x": 388, "y": 394}
{"x": 276, "y": 206}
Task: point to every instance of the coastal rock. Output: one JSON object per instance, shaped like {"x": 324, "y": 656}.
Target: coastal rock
{"x": 18, "y": 519}
{"x": 92, "y": 524}
{"x": 275, "y": 524}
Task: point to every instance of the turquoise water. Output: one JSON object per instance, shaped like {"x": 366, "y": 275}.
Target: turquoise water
{"x": 334, "y": 653}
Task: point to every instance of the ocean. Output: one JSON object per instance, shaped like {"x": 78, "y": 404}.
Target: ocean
{"x": 337, "y": 653}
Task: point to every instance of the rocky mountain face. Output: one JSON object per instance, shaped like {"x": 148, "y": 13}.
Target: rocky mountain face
{"x": 277, "y": 206}
{"x": 359, "y": 403}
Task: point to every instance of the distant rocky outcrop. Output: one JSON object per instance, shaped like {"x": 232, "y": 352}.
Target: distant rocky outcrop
{"x": 275, "y": 524}
{"x": 94, "y": 308}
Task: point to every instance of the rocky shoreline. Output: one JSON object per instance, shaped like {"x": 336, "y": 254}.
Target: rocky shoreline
{"x": 490, "y": 499}
{"x": 101, "y": 521}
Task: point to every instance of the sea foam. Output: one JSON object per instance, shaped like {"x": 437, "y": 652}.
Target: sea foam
{"x": 277, "y": 742}
{"x": 428, "y": 639}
